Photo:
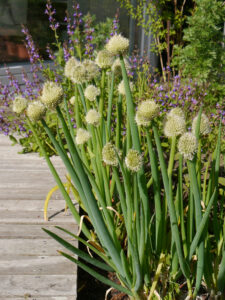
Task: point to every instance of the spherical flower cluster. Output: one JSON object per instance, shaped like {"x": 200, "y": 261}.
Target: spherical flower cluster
{"x": 146, "y": 111}
{"x": 78, "y": 74}
{"x": 176, "y": 111}
{"x": 19, "y": 104}
{"x": 52, "y": 94}
{"x": 204, "y": 125}
{"x": 91, "y": 92}
{"x": 93, "y": 117}
{"x": 69, "y": 66}
{"x": 174, "y": 125}
{"x": 116, "y": 67}
{"x": 133, "y": 160}
{"x": 72, "y": 100}
{"x": 188, "y": 145}
{"x": 109, "y": 155}
{"x": 91, "y": 68}
{"x": 104, "y": 59}
{"x": 117, "y": 44}
{"x": 121, "y": 87}
{"x": 82, "y": 136}
{"x": 36, "y": 110}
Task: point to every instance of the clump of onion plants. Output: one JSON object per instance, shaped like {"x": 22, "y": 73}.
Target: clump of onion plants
{"x": 157, "y": 219}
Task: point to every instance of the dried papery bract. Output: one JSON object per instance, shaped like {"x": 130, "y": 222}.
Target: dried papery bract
{"x": 36, "y": 111}
{"x": 117, "y": 44}
{"x": 91, "y": 92}
{"x": 188, "y": 145}
{"x": 93, "y": 117}
{"x": 52, "y": 94}
{"x": 19, "y": 104}
{"x": 204, "y": 125}
{"x": 104, "y": 59}
{"x": 134, "y": 160}
{"x": 82, "y": 136}
{"x": 109, "y": 155}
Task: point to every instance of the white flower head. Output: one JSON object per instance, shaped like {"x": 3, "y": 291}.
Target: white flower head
{"x": 174, "y": 126}
{"x": 188, "y": 145}
{"x": 176, "y": 111}
{"x": 82, "y": 136}
{"x": 121, "y": 87}
{"x": 91, "y": 69}
{"x": 36, "y": 111}
{"x": 78, "y": 74}
{"x": 52, "y": 94}
{"x": 116, "y": 67}
{"x": 93, "y": 117}
{"x": 134, "y": 160}
{"x": 204, "y": 125}
{"x": 91, "y": 92}
{"x": 104, "y": 59}
{"x": 117, "y": 44}
{"x": 19, "y": 104}
{"x": 69, "y": 66}
{"x": 146, "y": 112}
{"x": 109, "y": 155}
{"x": 72, "y": 100}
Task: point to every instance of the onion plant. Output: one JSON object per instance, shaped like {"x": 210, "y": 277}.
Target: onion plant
{"x": 157, "y": 219}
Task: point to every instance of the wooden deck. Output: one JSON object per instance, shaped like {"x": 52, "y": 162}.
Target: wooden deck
{"x": 30, "y": 267}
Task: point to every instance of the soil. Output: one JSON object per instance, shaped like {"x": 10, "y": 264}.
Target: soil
{"x": 91, "y": 289}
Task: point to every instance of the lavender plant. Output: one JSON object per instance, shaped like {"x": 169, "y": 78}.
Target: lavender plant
{"x": 155, "y": 221}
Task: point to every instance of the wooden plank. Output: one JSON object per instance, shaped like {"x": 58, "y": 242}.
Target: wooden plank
{"x": 41, "y": 285}
{"x": 41, "y": 265}
{"x": 26, "y": 193}
{"x": 29, "y": 297}
{"x": 35, "y": 217}
{"x": 31, "y": 205}
{"x": 30, "y": 247}
{"x": 27, "y": 231}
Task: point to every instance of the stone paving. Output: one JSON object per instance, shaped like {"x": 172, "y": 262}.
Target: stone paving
{"x": 30, "y": 267}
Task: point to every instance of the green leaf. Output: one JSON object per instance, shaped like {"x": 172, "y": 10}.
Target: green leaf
{"x": 97, "y": 275}
{"x": 78, "y": 252}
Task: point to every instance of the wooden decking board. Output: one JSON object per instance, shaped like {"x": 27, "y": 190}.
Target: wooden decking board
{"x": 30, "y": 266}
